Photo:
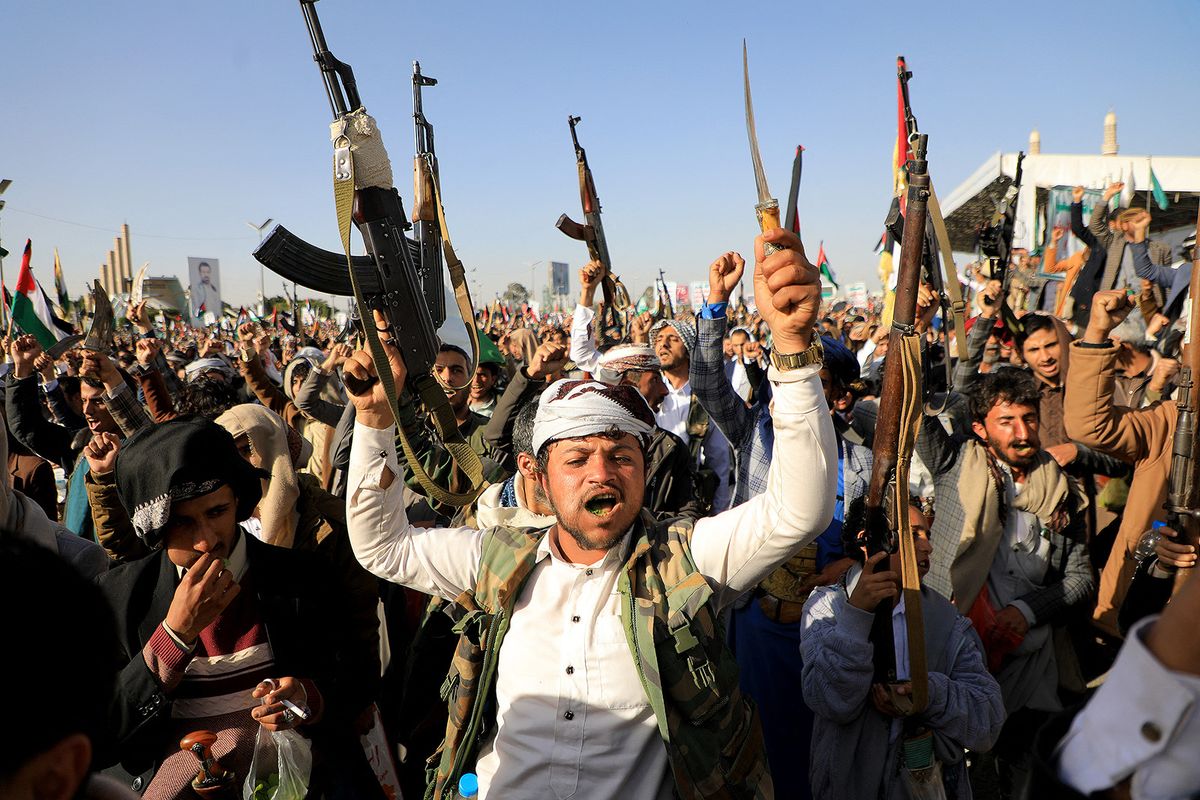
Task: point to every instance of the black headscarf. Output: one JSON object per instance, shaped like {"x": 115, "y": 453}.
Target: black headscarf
{"x": 180, "y": 460}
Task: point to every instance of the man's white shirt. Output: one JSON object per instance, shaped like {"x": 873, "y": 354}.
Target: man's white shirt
{"x": 572, "y": 716}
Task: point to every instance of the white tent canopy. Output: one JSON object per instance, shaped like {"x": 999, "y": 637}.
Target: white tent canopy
{"x": 972, "y": 202}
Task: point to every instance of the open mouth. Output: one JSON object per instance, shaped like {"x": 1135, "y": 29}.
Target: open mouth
{"x": 601, "y": 505}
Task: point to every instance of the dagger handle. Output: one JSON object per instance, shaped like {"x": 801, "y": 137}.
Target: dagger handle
{"x": 768, "y": 219}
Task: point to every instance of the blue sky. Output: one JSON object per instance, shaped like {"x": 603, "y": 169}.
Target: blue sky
{"x": 188, "y": 119}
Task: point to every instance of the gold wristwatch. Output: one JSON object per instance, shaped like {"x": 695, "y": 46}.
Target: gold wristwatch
{"x": 815, "y": 354}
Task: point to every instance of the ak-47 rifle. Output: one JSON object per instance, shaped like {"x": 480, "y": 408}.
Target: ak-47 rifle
{"x": 886, "y": 508}
{"x": 995, "y": 242}
{"x": 397, "y": 277}
{"x": 591, "y": 233}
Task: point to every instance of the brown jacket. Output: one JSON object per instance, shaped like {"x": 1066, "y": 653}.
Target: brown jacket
{"x": 34, "y": 478}
{"x": 1141, "y": 437}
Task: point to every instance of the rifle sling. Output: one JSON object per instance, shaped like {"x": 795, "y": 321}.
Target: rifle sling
{"x": 910, "y": 581}
{"x": 958, "y": 306}
{"x": 428, "y": 389}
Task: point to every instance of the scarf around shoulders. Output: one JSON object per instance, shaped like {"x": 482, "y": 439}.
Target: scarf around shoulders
{"x": 981, "y": 492}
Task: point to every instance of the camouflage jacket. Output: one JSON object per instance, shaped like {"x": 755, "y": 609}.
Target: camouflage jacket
{"x": 710, "y": 729}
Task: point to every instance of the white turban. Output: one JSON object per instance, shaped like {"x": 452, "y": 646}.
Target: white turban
{"x": 573, "y": 408}
{"x": 615, "y": 362}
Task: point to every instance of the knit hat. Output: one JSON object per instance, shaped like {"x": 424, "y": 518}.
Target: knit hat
{"x": 615, "y": 362}
{"x": 573, "y": 408}
{"x": 686, "y": 332}
{"x": 179, "y": 460}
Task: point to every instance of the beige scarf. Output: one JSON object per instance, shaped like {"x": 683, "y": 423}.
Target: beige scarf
{"x": 268, "y": 435}
{"x": 1044, "y": 495}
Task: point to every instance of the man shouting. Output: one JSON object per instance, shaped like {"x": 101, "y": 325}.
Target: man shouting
{"x": 592, "y": 662}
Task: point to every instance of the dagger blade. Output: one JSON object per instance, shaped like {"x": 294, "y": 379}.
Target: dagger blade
{"x": 760, "y": 176}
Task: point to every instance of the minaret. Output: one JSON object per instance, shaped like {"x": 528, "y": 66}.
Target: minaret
{"x": 1035, "y": 142}
{"x": 1110, "y": 134}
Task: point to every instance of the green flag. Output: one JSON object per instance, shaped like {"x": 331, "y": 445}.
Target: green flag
{"x": 1160, "y": 197}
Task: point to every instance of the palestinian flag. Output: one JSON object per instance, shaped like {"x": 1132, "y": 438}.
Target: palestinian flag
{"x": 823, "y": 265}
{"x": 31, "y": 310}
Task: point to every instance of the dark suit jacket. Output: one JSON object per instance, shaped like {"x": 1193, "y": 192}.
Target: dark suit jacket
{"x": 301, "y": 607}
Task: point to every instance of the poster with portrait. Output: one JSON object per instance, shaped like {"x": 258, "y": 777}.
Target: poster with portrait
{"x": 204, "y": 286}
{"x": 1058, "y": 215}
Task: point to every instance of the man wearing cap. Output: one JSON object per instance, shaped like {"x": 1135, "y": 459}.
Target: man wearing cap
{"x": 598, "y": 637}
{"x": 213, "y": 612}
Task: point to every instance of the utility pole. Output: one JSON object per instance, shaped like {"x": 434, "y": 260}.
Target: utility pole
{"x": 262, "y": 285}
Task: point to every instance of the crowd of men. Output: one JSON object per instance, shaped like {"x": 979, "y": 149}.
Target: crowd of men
{"x": 661, "y": 590}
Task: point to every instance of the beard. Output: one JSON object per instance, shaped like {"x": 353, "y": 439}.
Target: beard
{"x": 601, "y": 540}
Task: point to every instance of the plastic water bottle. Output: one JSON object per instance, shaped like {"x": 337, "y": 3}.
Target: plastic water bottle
{"x": 468, "y": 786}
{"x": 1149, "y": 541}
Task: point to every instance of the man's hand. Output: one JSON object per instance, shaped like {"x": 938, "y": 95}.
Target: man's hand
{"x": 1156, "y": 325}
{"x": 881, "y": 698}
{"x": 25, "y": 351}
{"x": 752, "y": 350}
{"x": 101, "y": 453}
{"x": 100, "y": 367}
{"x": 146, "y": 350}
{"x": 989, "y": 304}
{"x": 1011, "y": 619}
{"x": 212, "y": 348}
{"x": 1171, "y": 551}
{"x": 247, "y": 332}
{"x": 548, "y": 359}
{"x": 787, "y": 290}
{"x": 337, "y": 356}
{"x": 639, "y": 328}
{"x": 1056, "y": 236}
{"x": 1109, "y": 309}
{"x": 723, "y": 275}
{"x": 272, "y": 714}
{"x": 1112, "y": 191}
{"x": 1064, "y": 453}
{"x": 362, "y": 382}
{"x": 1164, "y": 371}
{"x": 1077, "y": 194}
{"x": 875, "y": 587}
{"x": 927, "y": 306}
{"x": 203, "y": 593}
{"x": 139, "y": 316}
{"x": 1135, "y": 229}
{"x": 44, "y": 364}
{"x": 589, "y": 278}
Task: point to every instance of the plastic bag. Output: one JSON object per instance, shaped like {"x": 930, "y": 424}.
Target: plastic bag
{"x": 280, "y": 768}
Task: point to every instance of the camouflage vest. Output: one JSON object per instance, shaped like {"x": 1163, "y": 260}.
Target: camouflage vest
{"x": 710, "y": 729}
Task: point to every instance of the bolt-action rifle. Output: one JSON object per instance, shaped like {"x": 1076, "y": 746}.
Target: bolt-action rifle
{"x": 900, "y": 410}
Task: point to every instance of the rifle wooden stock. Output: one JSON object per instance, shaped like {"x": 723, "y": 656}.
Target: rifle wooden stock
{"x": 899, "y": 414}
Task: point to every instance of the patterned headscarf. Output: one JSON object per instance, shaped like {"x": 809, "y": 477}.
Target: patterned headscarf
{"x": 572, "y": 408}
{"x": 178, "y": 460}
{"x": 686, "y": 332}
{"x": 626, "y": 358}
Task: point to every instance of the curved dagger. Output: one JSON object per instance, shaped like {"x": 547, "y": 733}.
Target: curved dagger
{"x": 767, "y": 207}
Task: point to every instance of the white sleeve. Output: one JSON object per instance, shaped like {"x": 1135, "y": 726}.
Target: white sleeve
{"x": 583, "y": 344}
{"x": 1144, "y": 721}
{"x": 738, "y": 548}
{"x": 438, "y": 561}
